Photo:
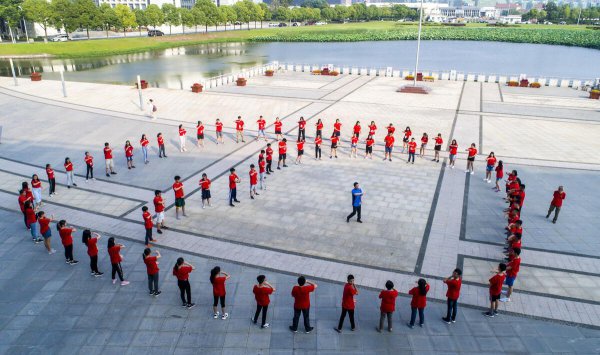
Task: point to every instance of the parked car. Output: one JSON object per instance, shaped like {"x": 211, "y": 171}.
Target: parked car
{"x": 295, "y": 24}
{"x": 320, "y": 23}
{"x": 282, "y": 24}
{"x": 562, "y": 23}
{"x": 155, "y": 33}
{"x": 60, "y": 38}
{"x": 271, "y": 24}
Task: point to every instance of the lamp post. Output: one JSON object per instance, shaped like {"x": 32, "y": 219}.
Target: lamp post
{"x": 418, "y": 43}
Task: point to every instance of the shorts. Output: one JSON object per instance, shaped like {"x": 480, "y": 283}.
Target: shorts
{"x": 277, "y": 131}
{"x": 423, "y": 145}
{"x": 109, "y": 163}
{"x": 300, "y": 152}
{"x": 369, "y": 150}
{"x": 471, "y": 158}
{"x": 333, "y": 145}
{"x": 353, "y": 146}
{"x": 495, "y": 297}
{"x": 200, "y": 136}
{"x": 205, "y": 194}
{"x": 452, "y": 157}
{"x": 219, "y": 134}
{"x": 159, "y": 217}
{"x": 179, "y": 202}
{"x": 388, "y": 150}
{"x": 498, "y": 178}
{"x": 129, "y": 158}
{"x": 510, "y": 281}
{"x": 282, "y": 156}
{"x": 47, "y": 234}
{"x": 405, "y": 139}
{"x": 336, "y": 133}
{"x": 489, "y": 168}
{"x": 437, "y": 148}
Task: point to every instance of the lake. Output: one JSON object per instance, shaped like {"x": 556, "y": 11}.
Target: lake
{"x": 180, "y": 67}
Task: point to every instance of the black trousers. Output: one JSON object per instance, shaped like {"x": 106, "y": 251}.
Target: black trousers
{"x": 89, "y": 172}
{"x": 161, "y": 151}
{"x": 269, "y": 169}
{"x": 232, "y": 195}
{"x": 264, "y": 309}
{"x": 305, "y": 315}
{"x": 116, "y": 269}
{"x": 317, "y": 151}
{"x": 69, "y": 252}
{"x": 153, "y": 282}
{"x": 301, "y": 133}
{"x": 148, "y": 237}
{"x": 350, "y": 313}
{"x": 452, "y": 309}
{"x": 217, "y": 300}
{"x": 94, "y": 263}
{"x": 355, "y": 211}
{"x": 52, "y": 186}
{"x": 185, "y": 290}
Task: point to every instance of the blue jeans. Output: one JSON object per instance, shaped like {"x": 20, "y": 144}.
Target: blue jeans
{"x": 413, "y": 315}
{"x": 145, "y": 152}
{"x": 35, "y": 229}
{"x": 452, "y": 309}
{"x": 232, "y": 195}
{"x": 411, "y": 156}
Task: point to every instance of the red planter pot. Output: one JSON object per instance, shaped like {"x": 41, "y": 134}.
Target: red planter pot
{"x": 269, "y": 73}
{"x": 241, "y": 82}
{"x": 595, "y": 95}
{"x": 197, "y": 88}
{"x": 35, "y": 76}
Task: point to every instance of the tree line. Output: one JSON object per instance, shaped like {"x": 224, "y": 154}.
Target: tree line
{"x": 557, "y": 13}
{"x": 73, "y": 15}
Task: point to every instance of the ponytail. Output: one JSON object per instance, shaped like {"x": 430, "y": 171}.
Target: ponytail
{"x": 177, "y": 265}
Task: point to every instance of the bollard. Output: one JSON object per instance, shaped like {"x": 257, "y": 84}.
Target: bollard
{"x": 12, "y": 68}
{"x": 62, "y": 79}
{"x": 139, "y": 82}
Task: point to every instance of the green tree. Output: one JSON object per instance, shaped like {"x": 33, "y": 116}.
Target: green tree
{"x": 209, "y": 9}
{"x": 552, "y": 11}
{"x": 283, "y": 14}
{"x": 187, "y": 18}
{"x": 227, "y": 15}
{"x": 267, "y": 14}
{"x": 359, "y": 12}
{"x": 154, "y": 15}
{"x": 88, "y": 15}
{"x": 126, "y": 17}
{"x": 244, "y": 9}
{"x": 141, "y": 19}
{"x": 328, "y": 14}
{"x": 63, "y": 15}
{"x": 38, "y": 11}
{"x": 171, "y": 15}
{"x": 318, "y": 4}
{"x": 257, "y": 14}
{"x": 108, "y": 17}
{"x": 199, "y": 17}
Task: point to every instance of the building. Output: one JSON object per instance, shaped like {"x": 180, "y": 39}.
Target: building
{"x": 510, "y": 19}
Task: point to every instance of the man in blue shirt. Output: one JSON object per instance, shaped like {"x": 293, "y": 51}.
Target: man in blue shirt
{"x": 357, "y": 194}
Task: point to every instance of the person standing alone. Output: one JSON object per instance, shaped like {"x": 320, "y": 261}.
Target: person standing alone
{"x": 348, "y": 304}
{"x": 556, "y": 204}
{"x": 357, "y": 194}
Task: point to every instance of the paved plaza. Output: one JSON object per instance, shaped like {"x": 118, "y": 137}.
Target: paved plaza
{"x": 421, "y": 220}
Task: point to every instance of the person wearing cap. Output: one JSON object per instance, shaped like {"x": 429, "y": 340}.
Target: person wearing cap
{"x": 357, "y": 194}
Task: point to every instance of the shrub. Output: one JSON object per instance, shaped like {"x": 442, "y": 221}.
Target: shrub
{"x": 316, "y": 72}
{"x": 428, "y": 78}
{"x": 535, "y": 85}
{"x": 513, "y": 83}
{"x": 409, "y": 77}
{"x": 334, "y": 73}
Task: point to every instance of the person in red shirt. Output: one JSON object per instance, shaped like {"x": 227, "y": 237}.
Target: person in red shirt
{"x": 91, "y": 242}
{"x": 179, "y": 197}
{"x": 51, "y": 180}
{"x": 556, "y": 203}
{"x": 161, "y": 145}
{"x": 496, "y": 283}
{"x": 418, "y": 302}
{"x": 389, "y": 145}
{"x": 300, "y": 148}
{"x": 253, "y": 181}
{"x": 69, "y": 172}
{"x": 233, "y": 181}
{"x": 282, "y": 153}
{"x": 89, "y": 166}
{"x": 319, "y": 126}
{"x": 453, "y": 151}
{"x": 152, "y": 270}
{"x": 108, "y": 160}
{"x": 337, "y": 128}
{"x": 261, "y": 291}
{"x": 391, "y": 129}
{"x": 144, "y": 143}
{"x": 261, "y": 128}
{"x": 499, "y": 175}
{"x": 372, "y": 128}
{"x": 301, "y": 129}
{"x": 199, "y": 134}
{"x": 205, "y": 188}
{"x": 31, "y": 221}
{"x": 412, "y": 149}
{"x": 490, "y": 164}
{"x": 334, "y": 144}
{"x": 454, "y": 283}
{"x": 159, "y": 211}
{"x": 301, "y": 293}
{"x": 369, "y": 143}
{"x": 239, "y": 130}
{"x": 437, "y": 148}
{"x": 424, "y": 140}
{"x": 356, "y": 129}
{"x": 147, "y": 226}
{"x": 114, "y": 250}
{"x": 348, "y": 304}
{"x": 217, "y": 279}
{"x": 219, "y": 131}
{"x": 45, "y": 230}
{"x": 36, "y": 191}
{"x": 182, "y": 270}
{"x": 66, "y": 238}
{"x": 23, "y": 199}
{"x": 406, "y": 138}
{"x": 472, "y": 152}
{"x": 261, "y": 170}
{"x": 388, "y": 305}
{"x": 318, "y": 142}
{"x": 269, "y": 158}
{"x": 513, "y": 242}
{"x": 353, "y": 146}
{"x": 129, "y": 155}
{"x": 278, "y": 124}
{"x": 512, "y": 269}
{"x": 182, "y": 138}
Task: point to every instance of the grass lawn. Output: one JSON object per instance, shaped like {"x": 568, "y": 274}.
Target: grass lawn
{"x": 347, "y": 32}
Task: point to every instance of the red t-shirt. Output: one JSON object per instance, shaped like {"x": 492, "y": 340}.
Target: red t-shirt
{"x": 391, "y": 129}
{"x": 92, "y": 247}
{"x": 261, "y": 166}
{"x": 389, "y": 141}
{"x": 22, "y": 200}
{"x": 354, "y": 140}
{"x": 69, "y": 166}
{"x": 491, "y": 161}
{"x": 282, "y": 147}
{"x": 113, "y": 252}
{"x": 44, "y": 224}
{"x": 144, "y": 142}
{"x": 65, "y": 236}
{"x": 89, "y": 160}
{"x": 453, "y": 288}
{"x": 300, "y": 145}
{"x": 161, "y": 140}
{"x": 370, "y": 142}
{"x": 515, "y": 265}
{"x": 261, "y": 294}
{"x": 107, "y": 153}
{"x": 496, "y": 283}
{"x": 151, "y": 266}
{"x": 158, "y": 204}
{"x": 424, "y": 140}
{"x": 453, "y": 148}
{"x": 558, "y": 197}
{"x": 320, "y": 126}
{"x": 269, "y": 152}
{"x": 407, "y": 133}
{"x": 205, "y": 184}
{"x": 278, "y": 125}
{"x": 239, "y": 125}
{"x": 356, "y": 128}
{"x": 516, "y": 244}
{"x": 219, "y": 286}
{"x": 337, "y": 126}
{"x": 472, "y": 152}
{"x": 301, "y": 124}
{"x": 50, "y": 173}
{"x": 253, "y": 177}
{"x": 178, "y": 188}
{"x": 182, "y": 132}
{"x": 388, "y": 300}
{"x": 418, "y": 300}
{"x": 147, "y": 220}
{"x": 129, "y": 151}
{"x": 334, "y": 140}
{"x": 31, "y": 217}
{"x": 36, "y": 184}
{"x": 372, "y": 129}
{"x": 183, "y": 273}
{"x": 318, "y": 141}
{"x": 412, "y": 146}
{"x": 219, "y": 126}
{"x": 261, "y": 124}
{"x": 232, "y": 180}
{"x": 438, "y": 141}
{"x": 499, "y": 172}
{"x": 301, "y": 296}
{"x": 348, "y": 296}
{"x": 200, "y": 130}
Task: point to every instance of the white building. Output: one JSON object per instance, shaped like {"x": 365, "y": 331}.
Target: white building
{"x": 510, "y": 19}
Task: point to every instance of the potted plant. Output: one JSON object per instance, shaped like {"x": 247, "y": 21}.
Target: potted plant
{"x": 36, "y": 76}
{"x": 241, "y": 81}
{"x": 428, "y": 78}
{"x": 595, "y": 94}
{"x": 409, "y": 77}
{"x": 269, "y": 72}
{"x": 419, "y": 76}
{"x": 197, "y": 88}
{"x": 334, "y": 73}
{"x": 316, "y": 72}
{"x": 535, "y": 85}
{"x": 524, "y": 83}
{"x": 325, "y": 71}
{"x": 513, "y": 83}
{"x": 144, "y": 84}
